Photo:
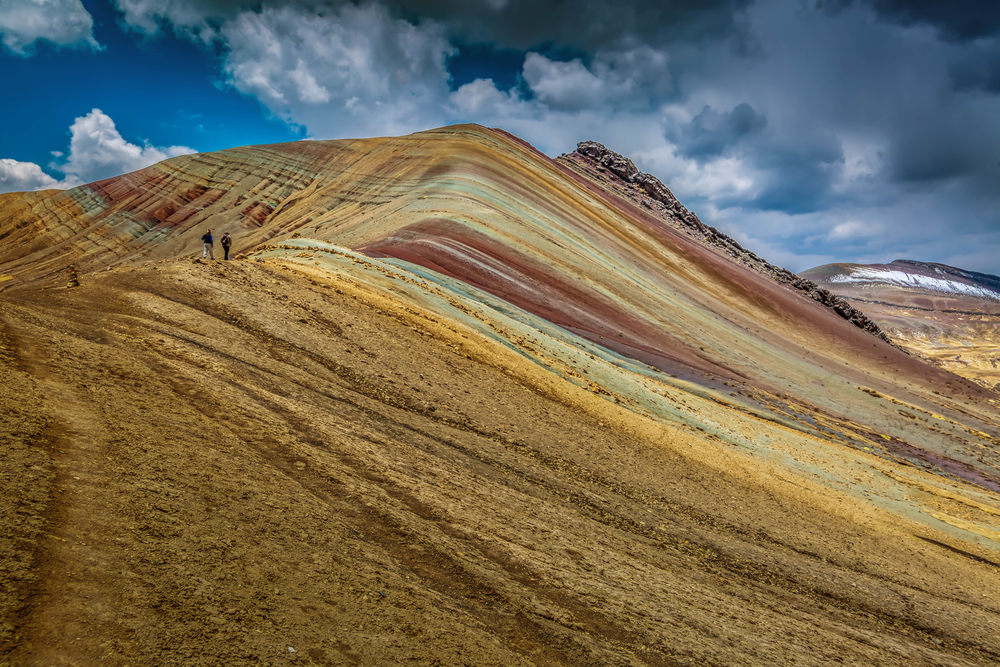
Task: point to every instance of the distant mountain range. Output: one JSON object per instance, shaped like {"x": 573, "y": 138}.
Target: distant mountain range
{"x": 916, "y": 277}
{"x": 949, "y": 316}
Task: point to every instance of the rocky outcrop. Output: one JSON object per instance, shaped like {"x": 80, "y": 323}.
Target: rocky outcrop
{"x": 602, "y": 164}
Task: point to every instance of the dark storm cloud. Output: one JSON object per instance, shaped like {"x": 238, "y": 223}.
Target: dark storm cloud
{"x": 586, "y": 24}
{"x": 798, "y": 176}
{"x": 710, "y": 134}
{"x": 977, "y": 68}
{"x": 933, "y": 157}
{"x": 518, "y": 24}
{"x": 958, "y": 20}
{"x": 795, "y": 175}
{"x": 952, "y": 141}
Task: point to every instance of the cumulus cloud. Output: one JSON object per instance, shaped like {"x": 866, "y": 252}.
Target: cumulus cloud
{"x": 196, "y": 19}
{"x": 617, "y": 78}
{"x": 343, "y": 71}
{"x": 719, "y": 182}
{"x": 565, "y": 86}
{"x": 848, "y": 230}
{"x": 18, "y": 176}
{"x": 61, "y": 22}
{"x": 481, "y": 99}
{"x": 96, "y": 151}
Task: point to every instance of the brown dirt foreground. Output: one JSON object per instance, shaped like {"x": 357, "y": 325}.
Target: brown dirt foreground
{"x": 240, "y": 464}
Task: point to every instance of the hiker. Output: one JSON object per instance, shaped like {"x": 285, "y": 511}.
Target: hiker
{"x": 227, "y": 242}
{"x": 207, "y": 240}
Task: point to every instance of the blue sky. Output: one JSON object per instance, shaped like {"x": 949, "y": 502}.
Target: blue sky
{"x": 813, "y": 132}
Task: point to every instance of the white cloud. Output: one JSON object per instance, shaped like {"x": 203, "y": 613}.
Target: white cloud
{"x": 481, "y": 99}
{"x": 345, "y": 69}
{"x": 62, "y": 22}
{"x": 565, "y": 86}
{"x": 191, "y": 18}
{"x": 309, "y": 91}
{"x": 861, "y": 159}
{"x": 628, "y": 77}
{"x": 637, "y": 74}
{"x": 723, "y": 179}
{"x": 17, "y": 176}
{"x": 850, "y": 230}
{"x": 97, "y": 151}
{"x": 349, "y": 71}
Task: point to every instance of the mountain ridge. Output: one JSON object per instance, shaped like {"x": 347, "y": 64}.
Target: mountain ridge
{"x": 947, "y": 315}
{"x": 454, "y": 401}
{"x": 667, "y": 205}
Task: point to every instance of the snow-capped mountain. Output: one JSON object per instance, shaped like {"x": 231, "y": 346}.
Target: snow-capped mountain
{"x": 947, "y": 315}
{"x": 922, "y": 276}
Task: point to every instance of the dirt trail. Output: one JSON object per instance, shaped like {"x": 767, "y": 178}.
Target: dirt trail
{"x": 72, "y": 611}
{"x": 250, "y": 467}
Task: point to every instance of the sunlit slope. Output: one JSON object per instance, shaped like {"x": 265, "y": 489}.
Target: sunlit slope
{"x": 458, "y": 402}
{"x": 947, "y": 315}
{"x": 249, "y": 462}
{"x": 481, "y": 208}
{"x": 160, "y": 211}
{"x": 492, "y": 221}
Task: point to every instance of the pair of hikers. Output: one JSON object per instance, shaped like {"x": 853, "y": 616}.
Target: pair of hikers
{"x": 206, "y": 238}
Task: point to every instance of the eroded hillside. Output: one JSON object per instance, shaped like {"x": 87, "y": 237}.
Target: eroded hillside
{"x": 948, "y": 316}
{"x": 457, "y": 405}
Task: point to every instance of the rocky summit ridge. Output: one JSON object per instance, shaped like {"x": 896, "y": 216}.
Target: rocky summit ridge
{"x": 648, "y": 191}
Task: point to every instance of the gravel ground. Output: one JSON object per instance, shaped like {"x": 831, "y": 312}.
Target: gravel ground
{"x": 241, "y": 464}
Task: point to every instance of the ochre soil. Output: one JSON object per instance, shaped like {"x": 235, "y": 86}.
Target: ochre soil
{"x": 967, "y": 345}
{"x": 956, "y": 332}
{"x": 238, "y": 463}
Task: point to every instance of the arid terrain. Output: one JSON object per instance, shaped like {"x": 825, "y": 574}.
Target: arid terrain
{"x": 455, "y": 403}
{"x": 952, "y": 319}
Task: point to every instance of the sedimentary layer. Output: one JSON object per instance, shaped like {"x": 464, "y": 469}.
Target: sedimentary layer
{"x": 948, "y": 316}
{"x": 456, "y": 402}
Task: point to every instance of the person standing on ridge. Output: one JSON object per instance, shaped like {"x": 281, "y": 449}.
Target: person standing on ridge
{"x": 227, "y": 242}
{"x": 206, "y": 238}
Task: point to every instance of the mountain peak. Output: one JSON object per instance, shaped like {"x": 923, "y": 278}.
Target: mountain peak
{"x": 926, "y": 277}
{"x": 947, "y": 315}
{"x": 451, "y": 401}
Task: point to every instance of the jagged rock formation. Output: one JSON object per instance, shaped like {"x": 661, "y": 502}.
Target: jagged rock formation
{"x": 648, "y": 191}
